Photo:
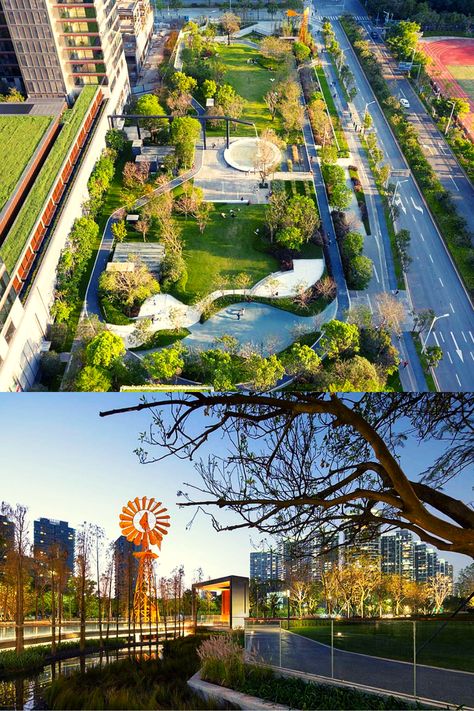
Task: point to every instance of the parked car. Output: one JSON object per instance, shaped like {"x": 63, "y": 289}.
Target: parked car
{"x": 405, "y": 103}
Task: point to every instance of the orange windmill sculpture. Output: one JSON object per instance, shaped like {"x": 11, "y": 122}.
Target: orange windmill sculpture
{"x": 144, "y": 522}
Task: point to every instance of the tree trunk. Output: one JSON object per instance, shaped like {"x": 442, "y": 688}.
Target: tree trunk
{"x": 53, "y": 614}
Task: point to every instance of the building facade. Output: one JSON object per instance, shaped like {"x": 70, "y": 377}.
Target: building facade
{"x": 7, "y": 537}
{"x": 10, "y": 73}
{"x": 136, "y": 26}
{"x": 398, "y": 554}
{"x": 49, "y": 533}
{"x": 125, "y": 571}
{"x": 266, "y": 566}
{"x": 63, "y": 46}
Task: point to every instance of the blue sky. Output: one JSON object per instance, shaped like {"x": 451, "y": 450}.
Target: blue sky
{"x": 63, "y": 461}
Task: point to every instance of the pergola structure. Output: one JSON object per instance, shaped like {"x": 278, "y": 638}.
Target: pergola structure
{"x": 234, "y": 593}
{"x": 136, "y": 118}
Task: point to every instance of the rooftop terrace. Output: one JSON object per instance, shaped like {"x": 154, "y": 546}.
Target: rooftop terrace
{"x": 19, "y": 138}
{"x": 17, "y": 237}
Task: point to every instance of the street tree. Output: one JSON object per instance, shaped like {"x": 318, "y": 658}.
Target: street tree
{"x": 391, "y": 312}
{"x": 439, "y": 587}
{"x": 299, "y": 595}
{"x": 433, "y": 354}
{"x": 17, "y": 553}
{"x": 348, "y": 475}
{"x": 230, "y": 24}
{"x": 275, "y": 48}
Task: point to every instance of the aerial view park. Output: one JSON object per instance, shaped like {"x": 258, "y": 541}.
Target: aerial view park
{"x": 202, "y": 261}
{"x": 113, "y": 600}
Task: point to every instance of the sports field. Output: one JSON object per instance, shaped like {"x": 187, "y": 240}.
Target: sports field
{"x": 464, "y": 74}
{"x": 452, "y": 68}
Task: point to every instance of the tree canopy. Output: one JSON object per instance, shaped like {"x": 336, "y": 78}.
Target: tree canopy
{"x": 316, "y": 463}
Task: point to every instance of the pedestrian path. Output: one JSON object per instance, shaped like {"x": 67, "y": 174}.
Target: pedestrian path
{"x": 293, "y": 651}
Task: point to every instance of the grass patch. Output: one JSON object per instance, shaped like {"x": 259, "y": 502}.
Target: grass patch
{"x": 227, "y": 248}
{"x": 163, "y": 338}
{"x": 134, "y": 684}
{"x": 426, "y": 369}
{"x": 19, "y": 138}
{"x": 252, "y": 82}
{"x": 285, "y": 304}
{"x": 20, "y": 231}
{"x": 333, "y": 113}
{"x": 450, "y": 649}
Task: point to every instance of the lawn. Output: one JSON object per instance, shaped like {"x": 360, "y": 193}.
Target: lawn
{"x": 451, "y": 649}
{"x": 251, "y": 81}
{"x": 464, "y": 75}
{"x": 225, "y": 249}
{"x": 19, "y": 137}
{"x": 17, "y": 237}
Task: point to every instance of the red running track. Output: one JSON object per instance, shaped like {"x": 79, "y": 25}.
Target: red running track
{"x": 451, "y": 51}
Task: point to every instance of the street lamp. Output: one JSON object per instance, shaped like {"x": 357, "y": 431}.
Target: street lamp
{"x": 435, "y": 318}
{"x": 288, "y": 608}
{"x": 397, "y": 185}
{"x": 367, "y": 104}
{"x": 450, "y": 117}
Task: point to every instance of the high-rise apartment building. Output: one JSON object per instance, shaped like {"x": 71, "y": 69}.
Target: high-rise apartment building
{"x": 398, "y": 554}
{"x": 363, "y": 543}
{"x": 126, "y": 570}
{"x": 266, "y": 566}
{"x": 70, "y": 51}
{"x": 63, "y": 46}
{"x": 49, "y": 533}
{"x": 296, "y": 560}
{"x": 136, "y": 26}
{"x": 7, "y": 536}
{"x": 426, "y": 562}
{"x": 10, "y": 74}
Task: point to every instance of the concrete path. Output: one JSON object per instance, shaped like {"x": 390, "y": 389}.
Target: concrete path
{"x": 165, "y": 311}
{"x": 306, "y": 655}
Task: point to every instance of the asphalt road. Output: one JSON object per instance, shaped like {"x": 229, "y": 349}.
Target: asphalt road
{"x": 436, "y": 149}
{"x": 432, "y": 279}
{"x": 298, "y": 653}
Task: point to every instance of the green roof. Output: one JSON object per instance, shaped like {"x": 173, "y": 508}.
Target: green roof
{"x": 19, "y": 138}
{"x": 20, "y": 231}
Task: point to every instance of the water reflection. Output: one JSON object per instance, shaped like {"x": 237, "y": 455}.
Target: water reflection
{"x": 26, "y": 692}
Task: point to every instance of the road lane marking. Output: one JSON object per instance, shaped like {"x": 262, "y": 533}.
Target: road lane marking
{"x": 458, "y": 350}
{"x": 375, "y": 272}
{"x": 454, "y": 183}
{"x": 441, "y": 336}
{"x": 459, "y": 382}
{"x": 429, "y": 255}
{"x": 472, "y": 355}
{"x": 436, "y": 338}
{"x": 451, "y": 307}
{"x": 449, "y": 356}
{"x": 441, "y": 282}
{"x": 417, "y": 207}
{"x": 463, "y": 335}
{"x": 472, "y": 337}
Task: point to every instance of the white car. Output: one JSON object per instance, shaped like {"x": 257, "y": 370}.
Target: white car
{"x": 405, "y": 103}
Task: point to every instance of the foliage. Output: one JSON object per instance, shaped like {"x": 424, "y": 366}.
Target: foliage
{"x": 184, "y": 134}
{"x": 20, "y": 231}
{"x": 19, "y": 137}
{"x": 301, "y": 361}
{"x": 290, "y": 237}
{"x": 266, "y": 372}
{"x": 93, "y": 379}
{"x": 339, "y": 193}
{"x": 230, "y": 24}
{"x": 166, "y": 363}
{"x": 129, "y": 289}
{"x": 301, "y": 51}
{"x": 104, "y": 349}
{"x": 339, "y": 338}
{"x": 149, "y": 105}
{"x": 222, "y": 661}
{"x": 134, "y": 683}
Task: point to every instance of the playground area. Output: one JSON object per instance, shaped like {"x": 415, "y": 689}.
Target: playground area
{"x": 452, "y": 68}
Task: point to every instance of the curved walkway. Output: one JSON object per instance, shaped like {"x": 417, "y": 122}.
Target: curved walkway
{"x": 306, "y": 655}
{"x": 165, "y": 310}
{"x": 91, "y": 301}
